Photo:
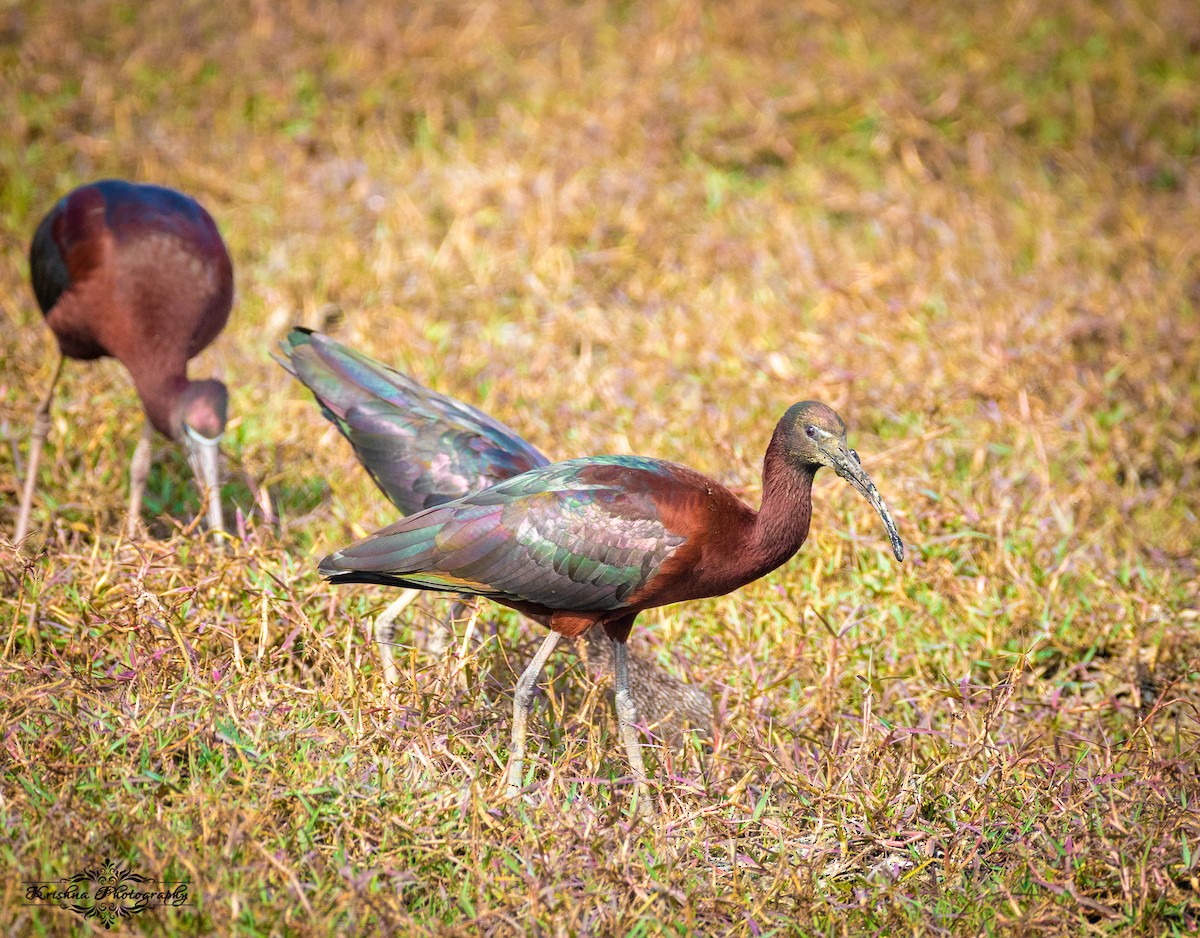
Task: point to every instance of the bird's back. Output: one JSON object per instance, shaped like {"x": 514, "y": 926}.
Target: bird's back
{"x": 173, "y": 267}
{"x": 144, "y": 266}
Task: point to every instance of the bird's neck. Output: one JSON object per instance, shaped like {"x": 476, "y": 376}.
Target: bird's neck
{"x": 782, "y": 522}
{"x": 161, "y": 394}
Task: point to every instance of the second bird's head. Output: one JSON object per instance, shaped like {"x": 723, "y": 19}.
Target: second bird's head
{"x": 198, "y": 422}
{"x": 813, "y": 436}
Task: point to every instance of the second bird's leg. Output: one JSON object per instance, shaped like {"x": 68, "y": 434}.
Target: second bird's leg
{"x": 139, "y": 472}
{"x": 41, "y": 429}
{"x": 385, "y": 633}
{"x": 627, "y": 717}
{"x": 522, "y": 701}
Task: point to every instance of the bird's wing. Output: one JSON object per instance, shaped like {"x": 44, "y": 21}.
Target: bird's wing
{"x": 47, "y": 266}
{"x": 420, "y": 447}
{"x": 580, "y": 535}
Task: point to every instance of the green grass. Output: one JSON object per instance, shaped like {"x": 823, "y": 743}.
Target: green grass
{"x": 637, "y": 228}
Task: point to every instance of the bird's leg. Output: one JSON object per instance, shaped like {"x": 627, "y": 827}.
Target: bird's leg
{"x": 667, "y": 706}
{"x": 627, "y": 718}
{"x": 385, "y": 632}
{"x": 41, "y": 429}
{"x": 522, "y": 701}
{"x": 139, "y": 472}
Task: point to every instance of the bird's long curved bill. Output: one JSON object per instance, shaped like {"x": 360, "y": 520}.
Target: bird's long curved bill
{"x": 205, "y": 456}
{"x": 848, "y": 467}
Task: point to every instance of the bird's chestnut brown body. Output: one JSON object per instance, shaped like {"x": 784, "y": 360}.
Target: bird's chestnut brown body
{"x": 138, "y": 273}
{"x": 723, "y": 544}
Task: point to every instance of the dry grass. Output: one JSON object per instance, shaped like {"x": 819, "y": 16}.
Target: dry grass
{"x": 650, "y": 228}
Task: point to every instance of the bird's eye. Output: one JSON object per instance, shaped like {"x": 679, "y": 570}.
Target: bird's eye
{"x": 854, "y": 453}
{"x": 811, "y": 431}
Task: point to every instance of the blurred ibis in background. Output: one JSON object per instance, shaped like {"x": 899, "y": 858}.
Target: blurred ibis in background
{"x": 594, "y": 541}
{"x": 424, "y": 449}
{"x": 139, "y": 273}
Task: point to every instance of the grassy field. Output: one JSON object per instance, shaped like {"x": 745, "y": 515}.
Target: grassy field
{"x": 633, "y": 228}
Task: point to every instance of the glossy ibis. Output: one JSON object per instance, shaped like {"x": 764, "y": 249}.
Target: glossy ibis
{"x": 424, "y": 449}
{"x": 139, "y": 273}
{"x": 595, "y": 541}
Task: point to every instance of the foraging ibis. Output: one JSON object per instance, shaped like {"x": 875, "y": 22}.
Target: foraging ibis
{"x": 139, "y": 273}
{"x": 595, "y": 541}
{"x": 423, "y": 449}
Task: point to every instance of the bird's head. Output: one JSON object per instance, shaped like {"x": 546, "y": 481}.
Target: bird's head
{"x": 814, "y": 436}
{"x": 198, "y": 421}
{"x": 202, "y": 408}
